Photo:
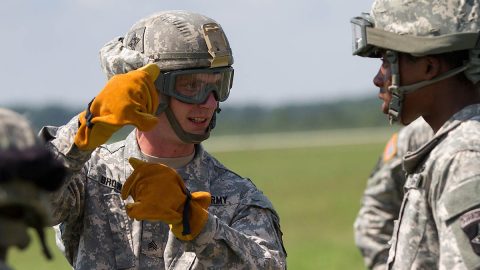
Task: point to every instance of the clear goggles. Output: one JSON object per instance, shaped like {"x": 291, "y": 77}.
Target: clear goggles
{"x": 194, "y": 85}
{"x": 360, "y": 44}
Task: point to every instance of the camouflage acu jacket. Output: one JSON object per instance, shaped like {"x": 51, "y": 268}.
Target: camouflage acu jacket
{"x": 242, "y": 231}
{"x": 383, "y": 195}
{"x": 3, "y": 266}
{"x": 438, "y": 221}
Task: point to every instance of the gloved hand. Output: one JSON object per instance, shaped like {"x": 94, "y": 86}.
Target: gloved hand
{"x": 160, "y": 194}
{"x": 129, "y": 98}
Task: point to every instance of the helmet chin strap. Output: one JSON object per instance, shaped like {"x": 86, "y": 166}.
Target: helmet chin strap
{"x": 398, "y": 92}
{"x": 186, "y": 137}
{"x": 395, "y": 106}
{"x": 182, "y": 134}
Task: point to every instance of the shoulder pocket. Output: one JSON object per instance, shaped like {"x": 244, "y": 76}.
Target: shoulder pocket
{"x": 457, "y": 203}
{"x": 461, "y": 199}
{"x": 260, "y": 200}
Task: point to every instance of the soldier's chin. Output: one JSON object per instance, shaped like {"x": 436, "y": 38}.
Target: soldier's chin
{"x": 197, "y": 131}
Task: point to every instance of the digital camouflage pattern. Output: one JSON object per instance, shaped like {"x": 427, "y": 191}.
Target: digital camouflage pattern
{"x": 15, "y": 131}
{"x": 441, "y": 192}
{"x": 3, "y": 266}
{"x": 16, "y": 134}
{"x": 242, "y": 231}
{"x": 27, "y": 171}
{"x": 383, "y": 195}
{"x": 430, "y": 27}
{"x": 426, "y": 18}
{"x": 438, "y": 225}
{"x": 171, "y": 39}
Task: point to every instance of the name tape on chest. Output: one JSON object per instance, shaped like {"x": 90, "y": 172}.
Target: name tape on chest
{"x": 219, "y": 200}
{"x": 111, "y": 183}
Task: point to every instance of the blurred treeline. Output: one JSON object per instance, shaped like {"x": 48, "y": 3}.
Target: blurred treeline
{"x": 254, "y": 118}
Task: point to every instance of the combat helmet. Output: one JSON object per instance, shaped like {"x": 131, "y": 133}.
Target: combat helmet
{"x": 180, "y": 43}
{"x": 27, "y": 171}
{"x": 419, "y": 28}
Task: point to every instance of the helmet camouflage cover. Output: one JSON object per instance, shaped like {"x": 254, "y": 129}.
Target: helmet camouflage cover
{"x": 420, "y": 27}
{"x": 174, "y": 40}
{"x": 171, "y": 39}
{"x": 16, "y": 136}
{"x": 428, "y": 27}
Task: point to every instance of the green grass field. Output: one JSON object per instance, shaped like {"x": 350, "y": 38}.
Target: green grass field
{"x": 317, "y": 194}
{"x": 316, "y": 190}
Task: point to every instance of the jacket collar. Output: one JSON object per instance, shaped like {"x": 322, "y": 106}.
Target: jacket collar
{"x": 196, "y": 174}
{"x": 412, "y": 159}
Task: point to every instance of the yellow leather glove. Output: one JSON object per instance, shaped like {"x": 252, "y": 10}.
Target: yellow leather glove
{"x": 129, "y": 98}
{"x": 159, "y": 194}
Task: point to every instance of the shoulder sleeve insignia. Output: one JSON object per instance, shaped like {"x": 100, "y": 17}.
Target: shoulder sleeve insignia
{"x": 469, "y": 222}
{"x": 390, "y": 149}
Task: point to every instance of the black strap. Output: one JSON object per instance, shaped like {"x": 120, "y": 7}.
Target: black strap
{"x": 186, "y": 213}
{"x": 89, "y": 115}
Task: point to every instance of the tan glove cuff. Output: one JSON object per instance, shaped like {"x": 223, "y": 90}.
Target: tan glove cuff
{"x": 90, "y": 136}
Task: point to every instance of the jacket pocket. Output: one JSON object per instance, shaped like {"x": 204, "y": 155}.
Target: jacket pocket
{"x": 184, "y": 261}
{"x": 410, "y": 230}
{"x": 393, "y": 243}
{"x": 154, "y": 235}
{"x": 462, "y": 206}
{"x": 121, "y": 232}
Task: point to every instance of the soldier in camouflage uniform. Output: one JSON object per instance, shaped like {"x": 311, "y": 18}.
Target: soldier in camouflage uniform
{"x": 27, "y": 172}
{"x": 383, "y": 195}
{"x": 430, "y": 65}
{"x": 173, "y": 103}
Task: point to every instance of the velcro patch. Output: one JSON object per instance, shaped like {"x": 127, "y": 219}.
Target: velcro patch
{"x": 134, "y": 40}
{"x": 469, "y": 222}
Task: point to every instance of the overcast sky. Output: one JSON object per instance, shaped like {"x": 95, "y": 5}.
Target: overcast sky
{"x": 285, "y": 51}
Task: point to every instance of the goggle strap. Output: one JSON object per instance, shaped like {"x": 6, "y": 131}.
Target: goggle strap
{"x": 396, "y": 103}
{"x": 177, "y": 56}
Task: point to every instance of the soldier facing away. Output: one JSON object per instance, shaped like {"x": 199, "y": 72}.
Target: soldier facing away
{"x": 383, "y": 194}
{"x": 430, "y": 64}
{"x": 158, "y": 200}
{"x": 28, "y": 172}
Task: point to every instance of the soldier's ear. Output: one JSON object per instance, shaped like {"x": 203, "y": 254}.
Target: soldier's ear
{"x": 433, "y": 67}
